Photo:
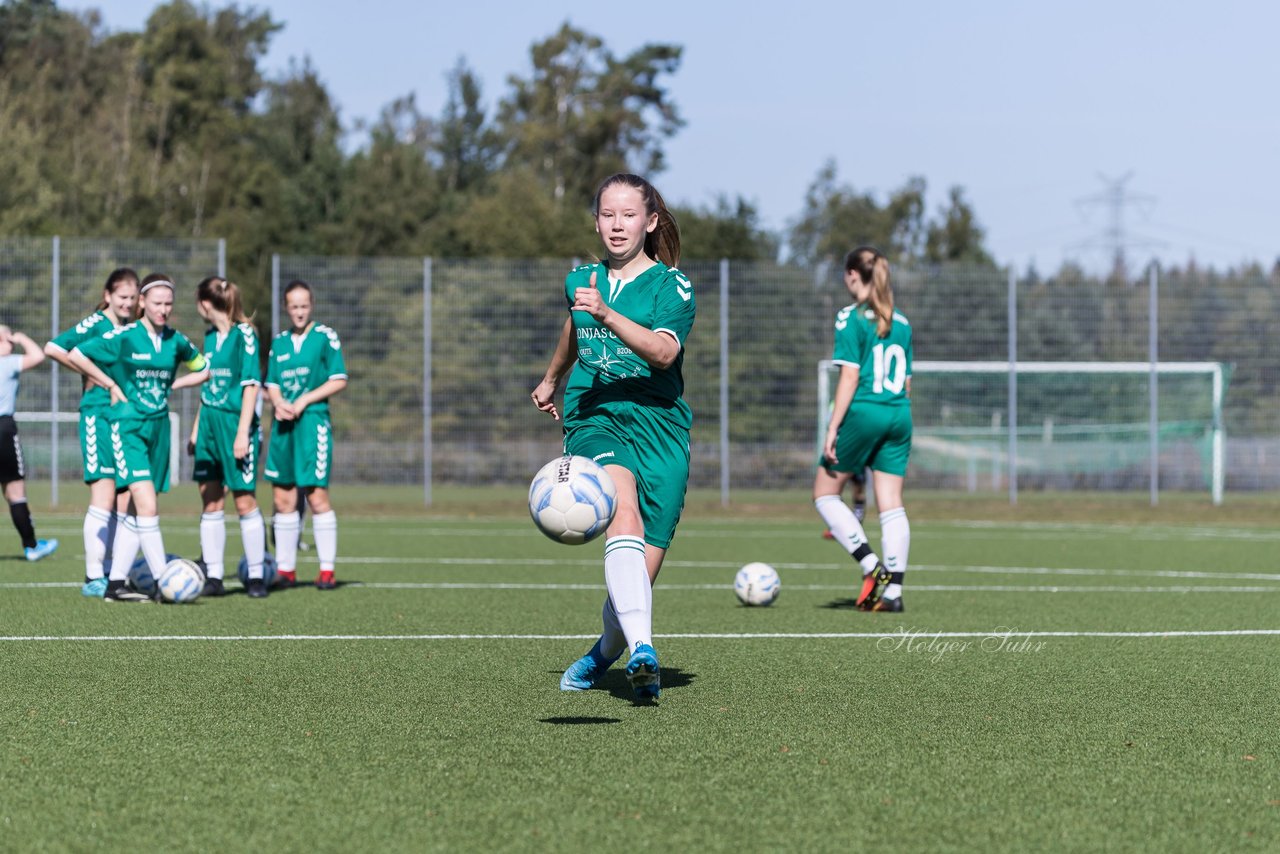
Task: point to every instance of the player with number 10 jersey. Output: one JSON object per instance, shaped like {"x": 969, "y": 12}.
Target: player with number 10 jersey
{"x": 877, "y": 430}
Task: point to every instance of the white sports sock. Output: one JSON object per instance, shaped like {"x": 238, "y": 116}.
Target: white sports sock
{"x": 895, "y": 537}
{"x": 97, "y": 526}
{"x": 213, "y": 542}
{"x": 253, "y": 533}
{"x": 612, "y": 640}
{"x": 152, "y": 543}
{"x": 627, "y": 578}
{"x": 286, "y": 525}
{"x": 125, "y": 548}
{"x": 324, "y": 527}
{"x": 846, "y": 528}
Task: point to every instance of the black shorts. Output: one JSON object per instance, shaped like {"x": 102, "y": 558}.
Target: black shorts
{"x": 11, "y": 465}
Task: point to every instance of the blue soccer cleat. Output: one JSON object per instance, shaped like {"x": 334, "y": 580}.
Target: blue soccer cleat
{"x": 644, "y": 673}
{"x": 42, "y": 548}
{"x": 586, "y": 671}
{"x": 94, "y": 589}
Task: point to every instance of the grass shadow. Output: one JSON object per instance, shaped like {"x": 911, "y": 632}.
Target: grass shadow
{"x": 578, "y": 721}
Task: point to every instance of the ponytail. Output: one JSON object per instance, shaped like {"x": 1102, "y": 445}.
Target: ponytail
{"x": 873, "y": 268}
{"x": 223, "y": 296}
{"x": 663, "y": 243}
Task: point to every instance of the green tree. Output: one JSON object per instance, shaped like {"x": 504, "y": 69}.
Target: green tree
{"x": 468, "y": 147}
{"x": 730, "y": 229}
{"x": 584, "y": 113}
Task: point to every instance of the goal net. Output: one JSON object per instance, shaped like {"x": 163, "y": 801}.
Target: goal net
{"x": 1076, "y": 425}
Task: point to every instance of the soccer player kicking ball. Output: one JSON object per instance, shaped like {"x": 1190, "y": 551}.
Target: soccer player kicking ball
{"x": 624, "y": 408}
{"x": 305, "y": 368}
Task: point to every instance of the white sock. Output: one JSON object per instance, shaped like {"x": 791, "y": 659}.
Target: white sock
{"x": 97, "y": 526}
{"x": 627, "y": 578}
{"x": 847, "y": 530}
{"x": 286, "y": 525}
{"x": 253, "y": 533}
{"x": 324, "y": 527}
{"x": 152, "y": 543}
{"x": 213, "y": 542}
{"x": 125, "y": 547}
{"x": 612, "y": 640}
{"x": 895, "y": 537}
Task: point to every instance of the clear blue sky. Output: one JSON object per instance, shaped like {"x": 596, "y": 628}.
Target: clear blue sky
{"x": 1023, "y": 104}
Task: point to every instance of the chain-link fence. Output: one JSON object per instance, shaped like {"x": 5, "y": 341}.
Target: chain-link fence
{"x": 442, "y": 355}
{"x": 48, "y": 285}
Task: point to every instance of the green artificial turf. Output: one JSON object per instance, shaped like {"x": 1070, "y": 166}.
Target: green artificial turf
{"x": 1051, "y": 686}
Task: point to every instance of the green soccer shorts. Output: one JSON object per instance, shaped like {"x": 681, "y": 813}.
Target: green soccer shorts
{"x": 215, "y": 451}
{"x": 300, "y": 451}
{"x": 140, "y": 448}
{"x": 651, "y": 447}
{"x": 95, "y": 447}
{"x": 876, "y": 436}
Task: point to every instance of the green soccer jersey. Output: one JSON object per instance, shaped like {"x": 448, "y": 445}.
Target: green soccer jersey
{"x": 302, "y": 363}
{"x": 884, "y": 363}
{"x": 143, "y": 365}
{"x": 233, "y": 366}
{"x": 661, "y": 299}
{"x": 95, "y": 398}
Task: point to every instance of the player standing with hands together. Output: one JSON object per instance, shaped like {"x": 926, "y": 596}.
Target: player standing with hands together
{"x": 624, "y": 408}
{"x": 304, "y": 370}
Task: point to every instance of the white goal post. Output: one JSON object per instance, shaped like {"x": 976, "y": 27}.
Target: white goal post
{"x": 1127, "y": 379}
{"x": 33, "y": 440}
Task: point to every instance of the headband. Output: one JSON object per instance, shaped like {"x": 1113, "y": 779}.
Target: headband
{"x": 159, "y": 283}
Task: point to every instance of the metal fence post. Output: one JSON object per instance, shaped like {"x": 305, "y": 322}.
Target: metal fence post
{"x": 426, "y": 382}
{"x": 275, "y": 297}
{"x": 1153, "y": 353}
{"x": 54, "y": 323}
{"x": 724, "y": 382}
{"x": 222, "y": 257}
{"x": 1013, "y": 386}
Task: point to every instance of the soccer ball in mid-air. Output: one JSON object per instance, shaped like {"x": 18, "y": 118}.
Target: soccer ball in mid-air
{"x": 268, "y": 570}
{"x": 140, "y": 577}
{"x": 181, "y": 581}
{"x": 757, "y": 584}
{"x": 572, "y": 499}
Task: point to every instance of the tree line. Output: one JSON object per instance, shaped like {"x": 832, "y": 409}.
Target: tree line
{"x": 178, "y": 131}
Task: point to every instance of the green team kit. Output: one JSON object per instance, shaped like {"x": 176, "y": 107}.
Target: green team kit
{"x": 95, "y": 432}
{"x": 233, "y": 367}
{"x": 300, "y": 450}
{"x": 876, "y": 431}
{"x": 618, "y": 410}
{"x": 144, "y": 365}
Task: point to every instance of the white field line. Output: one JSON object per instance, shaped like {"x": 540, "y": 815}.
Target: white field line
{"x": 837, "y": 588}
{"x": 522, "y": 562}
{"x": 899, "y": 633}
{"x": 761, "y": 529}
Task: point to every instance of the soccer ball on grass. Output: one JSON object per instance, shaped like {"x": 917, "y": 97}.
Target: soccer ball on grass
{"x": 572, "y": 499}
{"x": 757, "y": 584}
{"x": 140, "y": 577}
{"x": 181, "y": 581}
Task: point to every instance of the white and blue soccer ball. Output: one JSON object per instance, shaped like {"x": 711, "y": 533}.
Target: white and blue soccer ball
{"x": 572, "y": 500}
{"x": 181, "y": 581}
{"x": 268, "y": 570}
{"x": 140, "y": 577}
{"x": 757, "y": 584}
